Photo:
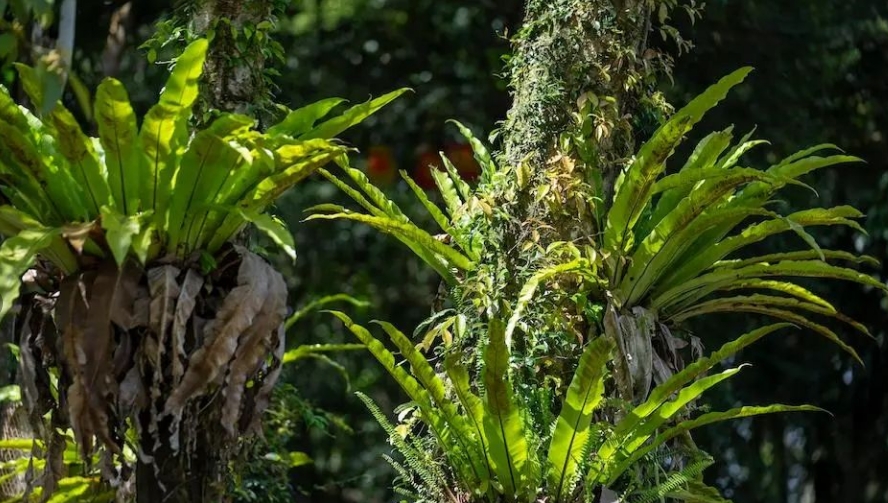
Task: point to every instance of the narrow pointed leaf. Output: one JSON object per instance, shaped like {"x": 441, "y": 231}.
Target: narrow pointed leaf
{"x": 702, "y": 286}
{"x": 302, "y": 119}
{"x": 471, "y": 403}
{"x": 737, "y": 306}
{"x": 679, "y": 380}
{"x": 782, "y": 287}
{"x": 119, "y": 137}
{"x": 305, "y": 350}
{"x": 465, "y": 191}
{"x": 448, "y": 191}
{"x": 350, "y": 117}
{"x": 437, "y": 215}
{"x": 755, "y": 233}
{"x": 482, "y": 155}
{"x": 572, "y": 430}
{"x": 323, "y": 301}
{"x": 710, "y": 418}
{"x": 409, "y": 384}
{"x": 407, "y": 232}
{"x": 635, "y": 185}
{"x": 433, "y": 384}
{"x": 801, "y": 255}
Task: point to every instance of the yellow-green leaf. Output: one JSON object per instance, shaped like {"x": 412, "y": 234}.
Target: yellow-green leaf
{"x": 503, "y": 426}
{"x": 165, "y": 128}
{"x": 635, "y": 185}
{"x": 302, "y": 119}
{"x": 119, "y": 232}
{"x": 571, "y": 437}
{"x": 119, "y": 138}
{"x": 350, "y": 117}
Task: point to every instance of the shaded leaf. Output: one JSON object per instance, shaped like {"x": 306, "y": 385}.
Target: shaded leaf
{"x": 17, "y": 255}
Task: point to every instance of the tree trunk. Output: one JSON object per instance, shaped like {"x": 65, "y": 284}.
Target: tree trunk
{"x": 568, "y": 51}
{"x": 182, "y": 476}
{"x": 233, "y": 81}
{"x": 572, "y": 58}
{"x": 234, "y": 73}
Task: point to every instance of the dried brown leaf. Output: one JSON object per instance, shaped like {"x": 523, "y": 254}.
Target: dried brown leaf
{"x": 80, "y": 417}
{"x": 637, "y": 330}
{"x": 131, "y": 396}
{"x": 236, "y": 315}
{"x": 112, "y": 297}
{"x": 164, "y": 290}
{"x": 661, "y": 370}
{"x": 263, "y": 396}
{"x": 254, "y": 344}
{"x": 123, "y": 356}
{"x": 141, "y": 308}
{"x": 29, "y": 369}
{"x": 70, "y": 317}
{"x": 88, "y": 345}
{"x": 191, "y": 286}
{"x": 124, "y": 295}
{"x": 55, "y": 468}
{"x": 613, "y": 330}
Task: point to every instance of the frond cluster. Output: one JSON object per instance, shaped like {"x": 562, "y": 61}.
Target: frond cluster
{"x": 575, "y": 382}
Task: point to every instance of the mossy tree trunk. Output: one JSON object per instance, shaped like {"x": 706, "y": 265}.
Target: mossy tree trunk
{"x": 583, "y": 78}
{"x": 580, "y": 73}
{"x": 567, "y": 51}
{"x": 580, "y": 70}
{"x": 234, "y": 74}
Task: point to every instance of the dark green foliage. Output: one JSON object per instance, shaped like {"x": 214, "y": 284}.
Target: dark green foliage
{"x": 820, "y": 76}
{"x": 652, "y": 261}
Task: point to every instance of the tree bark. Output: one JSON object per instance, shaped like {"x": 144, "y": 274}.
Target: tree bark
{"x": 568, "y": 49}
{"x": 234, "y": 73}
{"x": 568, "y": 54}
{"x": 182, "y": 477}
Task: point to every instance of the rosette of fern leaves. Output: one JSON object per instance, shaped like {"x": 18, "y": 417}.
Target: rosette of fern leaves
{"x": 517, "y": 414}
{"x": 140, "y": 309}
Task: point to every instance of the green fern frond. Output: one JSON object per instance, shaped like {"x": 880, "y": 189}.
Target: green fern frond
{"x": 674, "y": 481}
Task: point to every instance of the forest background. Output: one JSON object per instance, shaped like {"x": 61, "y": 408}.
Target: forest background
{"x": 821, "y": 75}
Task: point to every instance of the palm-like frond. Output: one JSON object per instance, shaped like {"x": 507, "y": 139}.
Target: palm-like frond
{"x": 668, "y": 237}
{"x": 384, "y": 215}
{"x": 155, "y": 190}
